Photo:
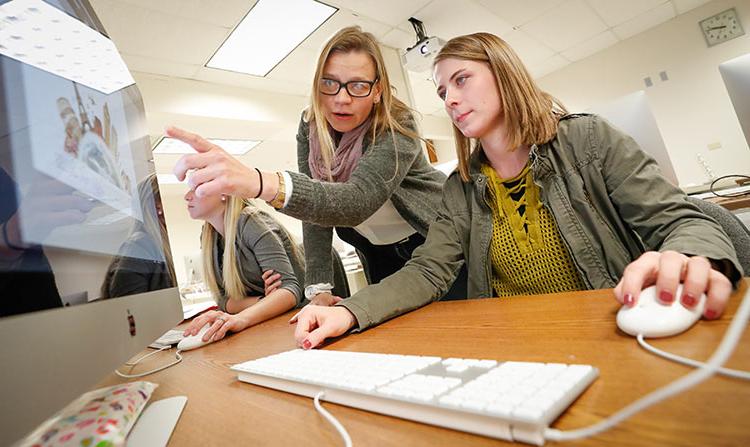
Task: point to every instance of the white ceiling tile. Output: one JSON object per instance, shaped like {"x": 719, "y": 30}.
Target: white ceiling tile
{"x": 528, "y": 49}
{"x": 543, "y": 68}
{"x": 645, "y": 21}
{"x": 144, "y": 32}
{"x": 684, "y": 6}
{"x": 566, "y": 25}
{"x": 591, "y": 46}
{"x": 399, "y": 39}
{"x": 615, "y": 12}
{"x": 160, "y": 66}
{"x": 390, "y": 12}
{"x": 517, "y": 12}
{"x": 299, "y": 65}
{"x": 243, "y": 80}
{"x": 341, "y": 19}
{"x": 227, "y": 15}
{"x": 447, "y": 19}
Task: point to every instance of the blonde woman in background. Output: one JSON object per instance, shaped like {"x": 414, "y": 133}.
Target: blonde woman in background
{"x": 239, "y": 242}
{"x": 362, "y": 171}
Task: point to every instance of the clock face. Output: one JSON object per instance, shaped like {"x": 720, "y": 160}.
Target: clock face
{"x": 721, "y": 27}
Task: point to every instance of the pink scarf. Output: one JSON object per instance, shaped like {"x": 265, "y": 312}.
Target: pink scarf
{"x": 345, "y": 157}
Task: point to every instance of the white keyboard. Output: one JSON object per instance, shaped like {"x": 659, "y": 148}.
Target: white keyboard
{"x": 514, "y": 401}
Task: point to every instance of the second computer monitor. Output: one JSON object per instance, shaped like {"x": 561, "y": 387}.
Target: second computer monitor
{"x": 736, "y": 75}
{"x": 632, "y": 114}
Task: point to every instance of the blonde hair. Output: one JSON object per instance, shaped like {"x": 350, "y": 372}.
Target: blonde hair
{"x": 234, "y": 287}
{"x": 388, "y": 114}
{"x": 531, "y": 114}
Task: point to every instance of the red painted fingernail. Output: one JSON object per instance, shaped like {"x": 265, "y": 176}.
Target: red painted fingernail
{"x": 666, "y": 297}
{"x": 306, "y": 344}
{"x": 689, "y": 300}
{"x": 711, "y": 314}
{"x": 628, "y": 300}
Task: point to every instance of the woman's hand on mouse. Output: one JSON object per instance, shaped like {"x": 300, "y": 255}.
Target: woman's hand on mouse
{"x": 220, "y": 323}
{"x": 667, "y": 270}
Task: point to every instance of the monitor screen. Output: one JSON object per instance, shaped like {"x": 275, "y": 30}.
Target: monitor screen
{"x": 736, "y": 76}
{"x": 86, "y": 273}
{"x": 632, "y": 114}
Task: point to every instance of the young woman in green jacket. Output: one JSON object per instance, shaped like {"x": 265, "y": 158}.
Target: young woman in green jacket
{"x": 542, "y": 202}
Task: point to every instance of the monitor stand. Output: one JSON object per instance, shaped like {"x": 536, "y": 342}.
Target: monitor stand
{"x": 156, "y": 423}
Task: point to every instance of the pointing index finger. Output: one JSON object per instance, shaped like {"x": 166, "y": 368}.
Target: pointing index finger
{"x": 196, "y": 141}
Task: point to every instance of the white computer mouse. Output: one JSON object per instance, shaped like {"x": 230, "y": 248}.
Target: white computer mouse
{"x": 654, "y": 319}
{"x": 194, "y": 341}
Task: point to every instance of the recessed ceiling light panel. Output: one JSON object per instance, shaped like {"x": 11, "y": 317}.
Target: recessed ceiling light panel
{"x": 173, "y": 146}
{"x": 268, "y": 33}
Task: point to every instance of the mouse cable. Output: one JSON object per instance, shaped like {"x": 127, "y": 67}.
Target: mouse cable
{"x": 744, "y": 375}
{"x": 332, "y": 420}
{"x": 178, "y": 359}
{"x": 720, "y": 355}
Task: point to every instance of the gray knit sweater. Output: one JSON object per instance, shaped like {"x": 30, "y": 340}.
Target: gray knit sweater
{"x": 399, "y": 173}
{"x": 261, "y": 244}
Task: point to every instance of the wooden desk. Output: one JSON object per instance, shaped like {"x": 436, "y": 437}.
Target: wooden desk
{"x": 731, "y": 203}
{"x": 569, "y": 328}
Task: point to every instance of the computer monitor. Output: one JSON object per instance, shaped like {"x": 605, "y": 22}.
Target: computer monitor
{"x": 194, "y": 268}
{"x": 80, "y": 219}
{"x": 736, "y": 75}
{"x": 632, "y": 114}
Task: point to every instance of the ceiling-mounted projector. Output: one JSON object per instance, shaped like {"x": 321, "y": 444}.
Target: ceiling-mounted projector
{"x": 419, "y": 57}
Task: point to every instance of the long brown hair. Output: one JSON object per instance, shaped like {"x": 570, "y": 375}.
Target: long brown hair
{"x": 388, "y": 114}
{"x": 530, "y": 113}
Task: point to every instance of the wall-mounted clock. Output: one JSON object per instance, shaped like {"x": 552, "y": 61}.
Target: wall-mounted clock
{"x": 721, "y": 27}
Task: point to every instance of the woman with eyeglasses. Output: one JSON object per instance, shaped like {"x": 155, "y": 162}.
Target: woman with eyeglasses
{"x": 362, "y": 170}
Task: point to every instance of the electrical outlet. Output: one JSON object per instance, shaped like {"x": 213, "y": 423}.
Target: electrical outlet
{"x": 713, "y": 146}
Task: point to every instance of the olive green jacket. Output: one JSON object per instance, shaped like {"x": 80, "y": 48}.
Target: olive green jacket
{"x": 608, "y": 198}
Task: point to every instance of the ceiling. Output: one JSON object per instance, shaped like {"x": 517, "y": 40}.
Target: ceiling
{"x": 176, "y": 38}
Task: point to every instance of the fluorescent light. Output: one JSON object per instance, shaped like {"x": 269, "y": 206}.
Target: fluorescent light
{"x": 235, "y": 147}
{"x": 40, "y": 35}
{"x": 268, "y": 33}
{"x": 169, "y": 179}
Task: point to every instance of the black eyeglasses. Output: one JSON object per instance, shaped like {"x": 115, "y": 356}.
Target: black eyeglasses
{"x": 356, "y": 89}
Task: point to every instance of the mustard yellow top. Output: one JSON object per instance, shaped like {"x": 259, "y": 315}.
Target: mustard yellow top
{"x": 527, "y": 252}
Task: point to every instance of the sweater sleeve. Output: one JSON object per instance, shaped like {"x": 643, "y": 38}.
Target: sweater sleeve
{"x": 384, "y": 164}
{"x": 269, "y": 250}
{"x": 667, "y": 220}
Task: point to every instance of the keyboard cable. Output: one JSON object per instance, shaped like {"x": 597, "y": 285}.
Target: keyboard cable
{"x": 718, "y": 358}
{"x": 332, "y": 420}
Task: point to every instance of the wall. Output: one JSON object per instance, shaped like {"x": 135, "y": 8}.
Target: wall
{"x": 692, "y": 108}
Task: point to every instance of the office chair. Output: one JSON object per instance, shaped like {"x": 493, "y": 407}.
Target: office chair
{"x": 738, "y": 233}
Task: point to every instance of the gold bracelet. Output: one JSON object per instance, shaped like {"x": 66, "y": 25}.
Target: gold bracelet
{"x": 280, "y": 197}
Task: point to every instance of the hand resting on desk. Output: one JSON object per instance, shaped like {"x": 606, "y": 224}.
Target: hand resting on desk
{"x": 316, "y": 323}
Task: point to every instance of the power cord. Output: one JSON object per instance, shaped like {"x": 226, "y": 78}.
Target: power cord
{"x": 722, "y": 353}
{"x": 745, "y": 178}
{"x": 744, "y": 375}
{"x": 332, "y": 420}
{"x": 178, "y": 359}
